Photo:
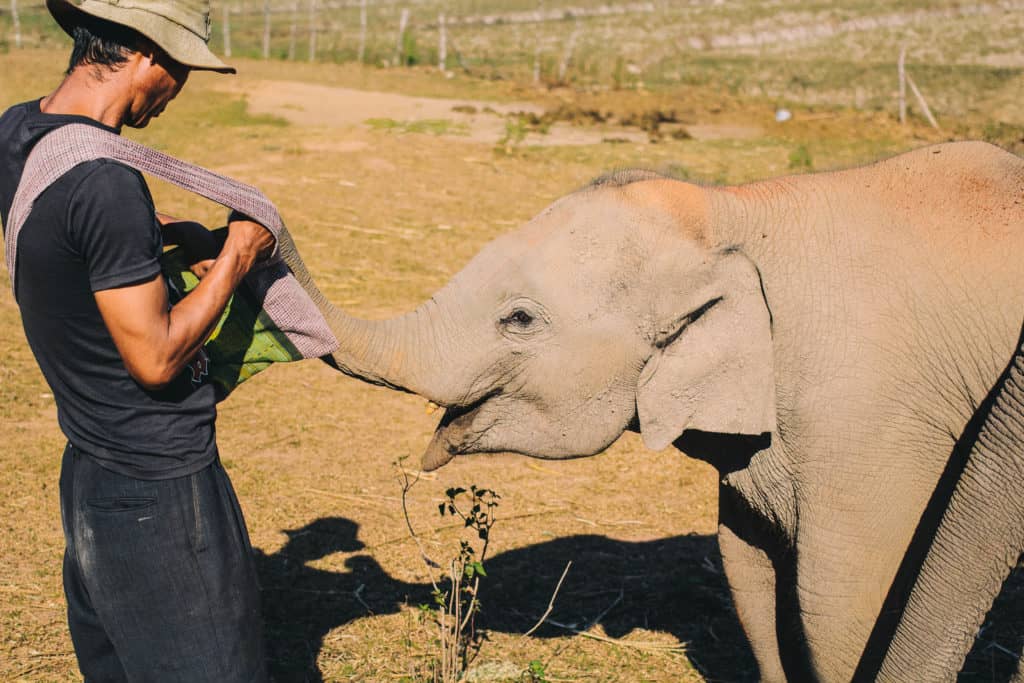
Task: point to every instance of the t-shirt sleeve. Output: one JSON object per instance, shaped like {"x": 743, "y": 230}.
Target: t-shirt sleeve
{"x": 113, "y": 223}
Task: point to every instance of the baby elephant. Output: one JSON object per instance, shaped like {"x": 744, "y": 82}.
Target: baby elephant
{"x": 835, "y": 344}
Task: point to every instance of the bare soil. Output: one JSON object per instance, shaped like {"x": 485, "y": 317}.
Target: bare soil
{"x": 307, "y": 104}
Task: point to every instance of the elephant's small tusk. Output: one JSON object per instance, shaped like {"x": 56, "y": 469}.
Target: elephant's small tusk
{"x": 432, "y": 407}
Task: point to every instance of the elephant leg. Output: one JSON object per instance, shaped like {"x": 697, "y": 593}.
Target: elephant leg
{"x": 751, "y": 578}
{"x": 839, "y": 587}
{"x": 975, "y": 545}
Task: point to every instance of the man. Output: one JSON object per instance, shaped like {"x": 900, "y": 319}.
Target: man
{"x": 158, "y": 570}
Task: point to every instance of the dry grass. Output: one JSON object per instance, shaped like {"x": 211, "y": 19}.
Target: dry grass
{"x": 383, "y": 219}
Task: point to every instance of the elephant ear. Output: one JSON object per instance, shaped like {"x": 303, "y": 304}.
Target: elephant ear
{"x": 711, "y": 368}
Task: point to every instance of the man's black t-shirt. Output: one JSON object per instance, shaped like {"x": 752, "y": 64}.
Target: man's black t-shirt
{"x": 95, "y": 228}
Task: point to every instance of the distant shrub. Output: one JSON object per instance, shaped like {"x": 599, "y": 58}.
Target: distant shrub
{"x": 410, "y": 51}
{"x": 800, "y": 159}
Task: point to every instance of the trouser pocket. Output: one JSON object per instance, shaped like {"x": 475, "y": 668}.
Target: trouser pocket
{"x": 121, "y": 503}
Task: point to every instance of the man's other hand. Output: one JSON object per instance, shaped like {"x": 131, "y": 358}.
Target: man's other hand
{"x": 201, "y": 268}
{"x": 199, "y": 243}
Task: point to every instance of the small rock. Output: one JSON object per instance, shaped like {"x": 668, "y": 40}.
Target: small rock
{"x": 493, "y": 672}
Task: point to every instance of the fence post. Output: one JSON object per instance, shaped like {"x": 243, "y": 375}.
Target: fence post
{"x": 458, "y": 55}
{"x": 536, "y": 62}
{"x": 442, "y": 48}
{"x": 362, "y": 31}
{"x": 312, "y": 30}
{"x": 536, "y": 44}
{"x": 903, "y": 84}
{"x": 226, "y": 28}
{"x": 292, "y": 30}
{"x": 17, "y": 23}
{"x": 266, "y": 29}
{"x": 400, "y": 43}
{"x": 570, "y": 47}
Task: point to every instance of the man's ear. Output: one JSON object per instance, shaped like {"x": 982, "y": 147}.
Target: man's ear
{"x": 146, "y": 49}
{"x": 711, "y": 367}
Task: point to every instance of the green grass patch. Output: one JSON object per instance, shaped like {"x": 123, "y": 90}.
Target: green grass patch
{"x": 426, "y": 126}
{"x": 232, "y": 112}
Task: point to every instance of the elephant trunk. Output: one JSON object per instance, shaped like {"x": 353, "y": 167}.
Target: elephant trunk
{"x": 398, "y": 353}
{"x": 977, "y": 542}
{"x": 401, "y": 353}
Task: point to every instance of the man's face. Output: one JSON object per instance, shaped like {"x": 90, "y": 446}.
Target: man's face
{"x": 159, "y": 80}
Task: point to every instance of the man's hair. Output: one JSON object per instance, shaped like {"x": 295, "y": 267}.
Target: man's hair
{"x": 102, "y": 44}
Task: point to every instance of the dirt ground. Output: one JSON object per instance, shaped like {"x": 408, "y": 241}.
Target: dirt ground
{"x": 307, "y": 104}
{"x": 384, "y": 214}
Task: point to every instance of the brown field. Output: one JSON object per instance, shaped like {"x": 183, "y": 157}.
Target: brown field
{"x": 384, "y": 212}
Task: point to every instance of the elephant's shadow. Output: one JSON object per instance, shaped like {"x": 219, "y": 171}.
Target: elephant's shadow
{"x": 673, "y": 585}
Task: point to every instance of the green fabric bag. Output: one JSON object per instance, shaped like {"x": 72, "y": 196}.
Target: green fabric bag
{"x": 245, "y": 340}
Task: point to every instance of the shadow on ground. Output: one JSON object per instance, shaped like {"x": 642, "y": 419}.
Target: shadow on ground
{"x": 672, "y": 585}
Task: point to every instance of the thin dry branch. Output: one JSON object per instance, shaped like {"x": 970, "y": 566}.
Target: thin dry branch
{"x": 358, "y": 594}
{"x": 406, "y": 486}
{"x": 924, "y": 105}
{"x": 644, "y": 646}
{"x": 551, "y": 602}
{"x": 609, "y": 608}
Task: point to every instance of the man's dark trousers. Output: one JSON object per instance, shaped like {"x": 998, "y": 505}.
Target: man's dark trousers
{"x": 159, "y": 576}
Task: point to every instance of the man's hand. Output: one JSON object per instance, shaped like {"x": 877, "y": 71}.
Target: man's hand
{"x": 198, "y": 242}
{"x": 156, "y": 342}
{"x": 200, "y": 245}
{"x": 201, "y": 268}
{"x": 250, "y": 239}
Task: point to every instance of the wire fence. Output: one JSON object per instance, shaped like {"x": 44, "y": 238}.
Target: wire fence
{"x": 375, "y": 32}
{"x": 788, "y": 50}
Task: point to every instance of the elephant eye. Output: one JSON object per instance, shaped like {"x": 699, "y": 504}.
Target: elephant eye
{"x": 517, "y": 317}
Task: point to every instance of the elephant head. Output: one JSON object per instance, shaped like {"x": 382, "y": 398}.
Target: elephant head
{"x": 615, "y": 308}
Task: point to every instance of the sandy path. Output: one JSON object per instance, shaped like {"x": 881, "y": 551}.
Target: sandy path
{"x": 336, "y": 107}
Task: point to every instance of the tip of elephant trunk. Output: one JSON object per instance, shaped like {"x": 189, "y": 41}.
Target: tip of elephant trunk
{"x": 438, "y": 454}
{"x": 454, "y": 435}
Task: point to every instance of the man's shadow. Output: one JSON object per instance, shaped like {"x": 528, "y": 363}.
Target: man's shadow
{"x": 672, "y": 585}
{"x": 301, "y": 604}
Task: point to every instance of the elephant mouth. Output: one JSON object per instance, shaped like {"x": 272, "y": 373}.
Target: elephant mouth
{"x": 454, "y": 435}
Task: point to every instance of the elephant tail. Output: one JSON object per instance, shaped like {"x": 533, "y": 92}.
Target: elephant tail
{"x": 977, "y": 541}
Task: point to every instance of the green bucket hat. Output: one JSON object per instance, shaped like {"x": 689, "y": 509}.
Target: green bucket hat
{"x": 180, "y": 27}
